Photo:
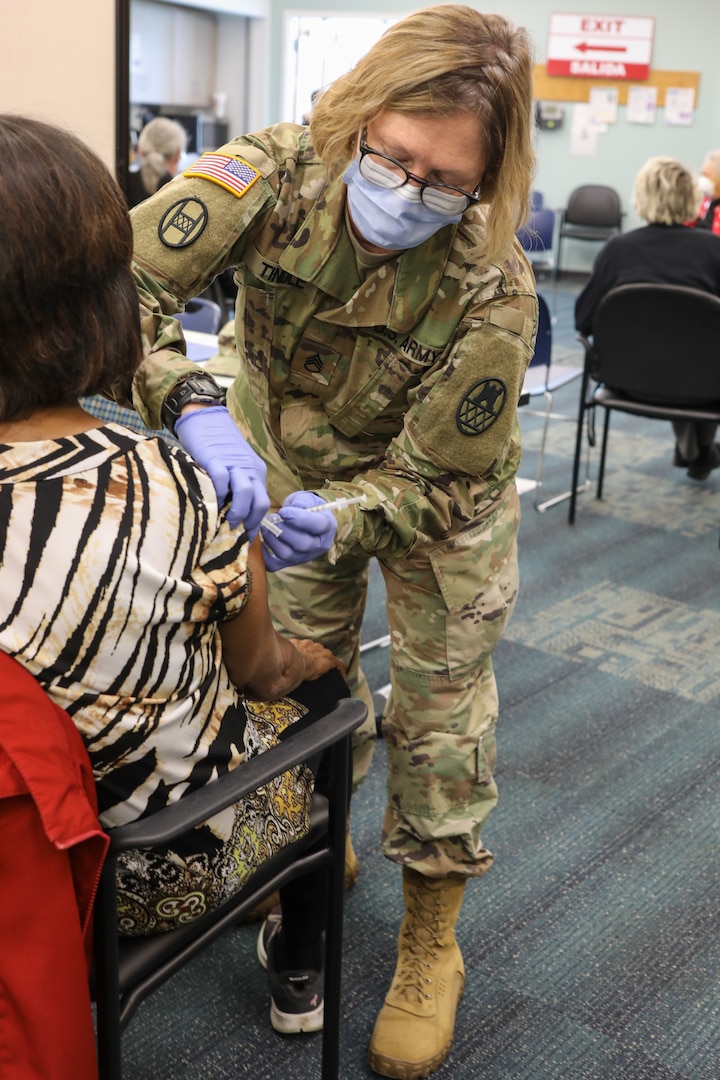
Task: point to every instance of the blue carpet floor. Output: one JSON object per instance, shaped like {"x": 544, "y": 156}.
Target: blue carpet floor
{"x": 592, "y": 946}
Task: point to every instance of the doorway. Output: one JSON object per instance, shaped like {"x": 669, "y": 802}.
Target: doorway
{"x": 320, "y": 48}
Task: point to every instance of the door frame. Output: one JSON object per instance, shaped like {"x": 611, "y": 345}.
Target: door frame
{"x": 122, "y": 92}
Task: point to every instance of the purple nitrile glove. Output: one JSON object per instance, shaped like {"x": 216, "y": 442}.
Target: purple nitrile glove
{"x": 304, "y": 535}
{"x": 212, "y": 439}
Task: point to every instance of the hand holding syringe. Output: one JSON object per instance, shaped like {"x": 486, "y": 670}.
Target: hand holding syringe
{"x": 273, "y": 522}
{"x": 289, "y": 538}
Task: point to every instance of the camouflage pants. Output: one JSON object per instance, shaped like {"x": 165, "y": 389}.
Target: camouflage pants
{"x": 447, "y": 607}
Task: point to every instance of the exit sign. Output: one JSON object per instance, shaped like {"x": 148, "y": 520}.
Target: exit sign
{"x": 600, "y": 46}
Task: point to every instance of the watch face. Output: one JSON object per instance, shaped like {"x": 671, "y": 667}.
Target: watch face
{"x": 202, "y": 384}
{"x": 200, "y": 388}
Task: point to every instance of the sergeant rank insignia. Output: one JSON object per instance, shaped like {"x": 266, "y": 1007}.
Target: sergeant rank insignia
{"x": 480, "y": 407}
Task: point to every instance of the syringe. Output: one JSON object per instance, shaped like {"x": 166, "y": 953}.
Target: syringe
{"x": 272, "y": 522}
{"x": 337, "y": 504}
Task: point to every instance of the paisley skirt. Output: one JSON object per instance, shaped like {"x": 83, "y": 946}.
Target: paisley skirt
{"x": 161, "y": 889}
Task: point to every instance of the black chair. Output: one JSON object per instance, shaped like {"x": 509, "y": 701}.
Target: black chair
{"x": 655, "y": 353}
{"x": 128, "y": 969}
{"x": 542, "y": 379}
{"x": 593, "y": 212}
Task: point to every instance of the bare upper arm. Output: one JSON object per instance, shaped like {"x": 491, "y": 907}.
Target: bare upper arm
{"x": 257, "y": 658}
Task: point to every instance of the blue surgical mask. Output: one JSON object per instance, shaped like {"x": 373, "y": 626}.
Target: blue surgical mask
{"x": 392, "y": 218}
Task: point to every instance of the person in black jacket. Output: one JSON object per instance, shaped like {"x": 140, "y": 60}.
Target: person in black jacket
{"x": 664, "y": 251}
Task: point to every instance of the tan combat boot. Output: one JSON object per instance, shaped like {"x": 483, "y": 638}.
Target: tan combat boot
{"x": 352, "y": 863}
{"x": 414, "y": 1030}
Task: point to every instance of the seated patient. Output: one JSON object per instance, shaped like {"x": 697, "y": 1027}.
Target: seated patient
{"x": 663, "y": 251}
{"x": 123, "y": 590}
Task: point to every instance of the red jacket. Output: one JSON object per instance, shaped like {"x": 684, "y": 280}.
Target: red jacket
{"x": 51, "y": 852}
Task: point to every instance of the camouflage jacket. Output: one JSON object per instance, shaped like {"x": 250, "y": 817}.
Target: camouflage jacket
{"x": 401, "y": 382}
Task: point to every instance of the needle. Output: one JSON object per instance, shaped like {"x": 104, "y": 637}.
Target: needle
{"x": 337, "y": 504}
{"x": 270, "y": 521}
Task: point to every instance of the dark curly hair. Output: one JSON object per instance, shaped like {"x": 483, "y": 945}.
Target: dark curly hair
{"x": 69, "y": 316}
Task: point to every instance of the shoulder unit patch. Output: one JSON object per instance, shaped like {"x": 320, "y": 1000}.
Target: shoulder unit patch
{"x": 480, "y": 407}
{"x": 182, "y": 223}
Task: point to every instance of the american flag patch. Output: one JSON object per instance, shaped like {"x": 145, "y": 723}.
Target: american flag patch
{"x": 234, "y": 174}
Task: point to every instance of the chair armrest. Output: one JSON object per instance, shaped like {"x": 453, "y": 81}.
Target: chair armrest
{"x": 178, "y": 818}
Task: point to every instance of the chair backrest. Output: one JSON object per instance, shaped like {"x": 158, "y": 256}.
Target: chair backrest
{"x": 660, "y": 343}
{"x": 536, "y": 200}
{"x": 537, "y": 234}
{"x": 543, "y": 344}
{"x": 201, "y": 315}
{"x": 128, "y": 969}
{"x": 594, "y": 204}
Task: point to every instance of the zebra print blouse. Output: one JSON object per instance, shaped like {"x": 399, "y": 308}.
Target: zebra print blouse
{"x": 116, "y": 565}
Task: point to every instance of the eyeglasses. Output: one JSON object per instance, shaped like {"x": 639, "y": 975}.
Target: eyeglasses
{"x": 384, "y": 171}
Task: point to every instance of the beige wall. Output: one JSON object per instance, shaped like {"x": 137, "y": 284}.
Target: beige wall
{"x": 57, "y": 63}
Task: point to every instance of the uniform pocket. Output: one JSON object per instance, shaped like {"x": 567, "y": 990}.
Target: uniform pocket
{"x": 308, "y": 440}
{"x": 477, "y": 575}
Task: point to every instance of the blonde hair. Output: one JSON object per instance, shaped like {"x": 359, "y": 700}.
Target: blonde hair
{"x": 439, "y": 61}
{"x": 158, "y": 143}
{"x": 666, "y": 193}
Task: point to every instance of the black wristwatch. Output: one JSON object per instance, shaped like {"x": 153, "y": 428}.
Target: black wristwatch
{"x": 200, "y": 388}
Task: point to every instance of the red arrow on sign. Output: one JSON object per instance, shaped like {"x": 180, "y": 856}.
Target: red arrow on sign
{"x": 583, "y": 47}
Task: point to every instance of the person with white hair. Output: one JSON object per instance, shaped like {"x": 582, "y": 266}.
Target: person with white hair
{"x": 161, "y": 145}
{"x": 665, "y": 251}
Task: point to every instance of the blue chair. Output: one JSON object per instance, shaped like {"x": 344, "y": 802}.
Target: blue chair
{"x": 202, "y": 315}
{"x": 543, "y": 379}
{"x": 537, "y": 237}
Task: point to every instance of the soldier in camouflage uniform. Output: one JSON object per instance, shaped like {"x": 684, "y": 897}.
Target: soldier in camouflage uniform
{"x": 383, "y": 358}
